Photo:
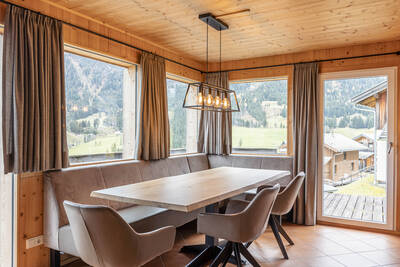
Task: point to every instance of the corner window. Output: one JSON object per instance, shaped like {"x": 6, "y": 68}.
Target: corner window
{"x": 100, "y": 108}
{"x": 183, "y": 123}
{"x": 261, "y": 125}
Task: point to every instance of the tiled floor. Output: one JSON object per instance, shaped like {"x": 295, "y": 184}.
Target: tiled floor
{"x": 315, "y": 246}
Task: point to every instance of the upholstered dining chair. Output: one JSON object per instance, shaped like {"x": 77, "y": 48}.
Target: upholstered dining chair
{"x": 283, "y": 204}
{"x": 104, "y": 239}
{"x": 238, "y": 228}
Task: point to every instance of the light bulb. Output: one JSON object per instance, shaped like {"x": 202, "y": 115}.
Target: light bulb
{"x": 225, "y": 103}
{"x": 217, "y": 103}
{"x": 209, "y": 100}
{"x": 200, "y": 98}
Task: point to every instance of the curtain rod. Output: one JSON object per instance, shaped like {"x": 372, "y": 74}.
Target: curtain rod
{"x": 315, "y": 61}
{"x": 101, "y": 35}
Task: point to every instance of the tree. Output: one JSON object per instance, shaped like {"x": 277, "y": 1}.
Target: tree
{"x": 357, "y": 122}
{"x": 74, "y": 127}
{"x": 96, "y": 123}
{"x": 344, "y": 122}
{"x": 284, "y": 112}
{"x": 330, "y": 122}
{"x": 370, "y": 122}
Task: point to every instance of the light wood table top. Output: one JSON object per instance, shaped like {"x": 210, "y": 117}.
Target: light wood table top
{"x": 191, "y": 191}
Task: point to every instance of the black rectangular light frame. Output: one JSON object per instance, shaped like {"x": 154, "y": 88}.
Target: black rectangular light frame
{"x": 212, "y": 21}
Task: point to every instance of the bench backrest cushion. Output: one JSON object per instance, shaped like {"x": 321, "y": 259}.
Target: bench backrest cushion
{"x": 177, "y": 165}
{"x": 284, "y": 163}
{"x": 198, "y": 162}
{"x": 74, "y": 184}
{"x": 119, "y": 174}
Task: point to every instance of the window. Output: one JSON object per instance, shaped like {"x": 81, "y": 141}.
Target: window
{"x": 100, "y": 100}
{"x": 344, "y": 155}
{"x": 352, "y": 166}
{"x": 335, "y": 169}
{"x": 261, "y": 125}
{"x": 183, "y": 122}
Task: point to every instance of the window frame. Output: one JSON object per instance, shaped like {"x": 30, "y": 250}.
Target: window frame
{"x": 177, "y": 78}
{"x": 289, "y": 117}
{"x": 114, "y": 61}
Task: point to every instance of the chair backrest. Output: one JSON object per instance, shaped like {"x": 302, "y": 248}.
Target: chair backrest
{"x": 101, "y": 236}
{"x": 257, "y": 213}
{"x": 285, "y": 199}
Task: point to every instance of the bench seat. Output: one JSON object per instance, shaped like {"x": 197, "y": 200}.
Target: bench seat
{"x": 76, "y": 183}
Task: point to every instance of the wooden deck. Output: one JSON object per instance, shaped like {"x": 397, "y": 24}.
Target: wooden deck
{"x": 363, "y": 208}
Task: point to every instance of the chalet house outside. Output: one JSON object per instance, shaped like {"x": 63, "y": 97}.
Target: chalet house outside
{"x": 375, "y": 100}
{"x": 367, "y": 139}
{"x": 341, "y": 156}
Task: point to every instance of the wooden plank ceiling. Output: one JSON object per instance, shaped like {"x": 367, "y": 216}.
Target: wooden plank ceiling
{"x": 270, "y": 28}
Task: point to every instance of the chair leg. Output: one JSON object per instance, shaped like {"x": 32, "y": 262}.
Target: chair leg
{"x": 237, "y": 254}
{"x": 225, "y": 253}
{"x": 248, "y": 244}
{"x": 282, "y": 231}
{"x": 243, "y": 250}
{"x": 226, "y": 260}
{"x": 55, "y": 260}
{"x": 278, "y": 238}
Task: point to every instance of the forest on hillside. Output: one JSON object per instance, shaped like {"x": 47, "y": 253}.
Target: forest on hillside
{"x": 94, "y": 92}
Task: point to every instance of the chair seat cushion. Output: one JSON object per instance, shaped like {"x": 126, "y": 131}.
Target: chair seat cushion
{"x": 138, "y": 213}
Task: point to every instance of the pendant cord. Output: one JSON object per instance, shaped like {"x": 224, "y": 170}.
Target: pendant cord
{"x": 220, "y": 64}
{"x": 207, "y": 50}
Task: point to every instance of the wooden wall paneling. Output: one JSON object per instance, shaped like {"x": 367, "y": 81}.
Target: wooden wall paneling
{"x": 30, "y": 220}
{"x": 322, "y": 54}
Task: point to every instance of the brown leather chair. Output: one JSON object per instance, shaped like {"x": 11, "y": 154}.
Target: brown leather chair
{"x": 104, "y": 239}
{"x": 239, "y": 228}
{"x": 283, "y": 204}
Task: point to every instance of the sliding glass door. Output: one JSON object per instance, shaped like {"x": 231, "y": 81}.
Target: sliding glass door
{"x": 356, "y": 180}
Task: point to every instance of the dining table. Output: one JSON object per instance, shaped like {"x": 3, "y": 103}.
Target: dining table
{"x": 192, "y": 191}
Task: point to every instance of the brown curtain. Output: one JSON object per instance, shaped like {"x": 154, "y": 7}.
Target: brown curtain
{"x": 215, "y": 129}
{"x": 153, "y": 129}
{"x": 306, "y": 139}
{"x": 34, "y": 133}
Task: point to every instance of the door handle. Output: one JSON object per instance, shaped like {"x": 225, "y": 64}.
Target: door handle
{"x": 390, "y": 147}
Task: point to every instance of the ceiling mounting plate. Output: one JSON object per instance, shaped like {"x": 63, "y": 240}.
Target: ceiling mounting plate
{"x": 212, "y": 21}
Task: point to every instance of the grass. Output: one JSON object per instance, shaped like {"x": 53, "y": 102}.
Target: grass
{"x": 258, "y": 137}
{"x": 363, "y": 187}
{"x": 100, "y": 145}
{"x": 274, "y": 137}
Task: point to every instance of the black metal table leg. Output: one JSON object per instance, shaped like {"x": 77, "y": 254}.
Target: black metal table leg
{"x": 205, "y": 252}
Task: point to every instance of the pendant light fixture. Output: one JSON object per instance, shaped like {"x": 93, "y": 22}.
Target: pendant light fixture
{"x": 204, "y": 96}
